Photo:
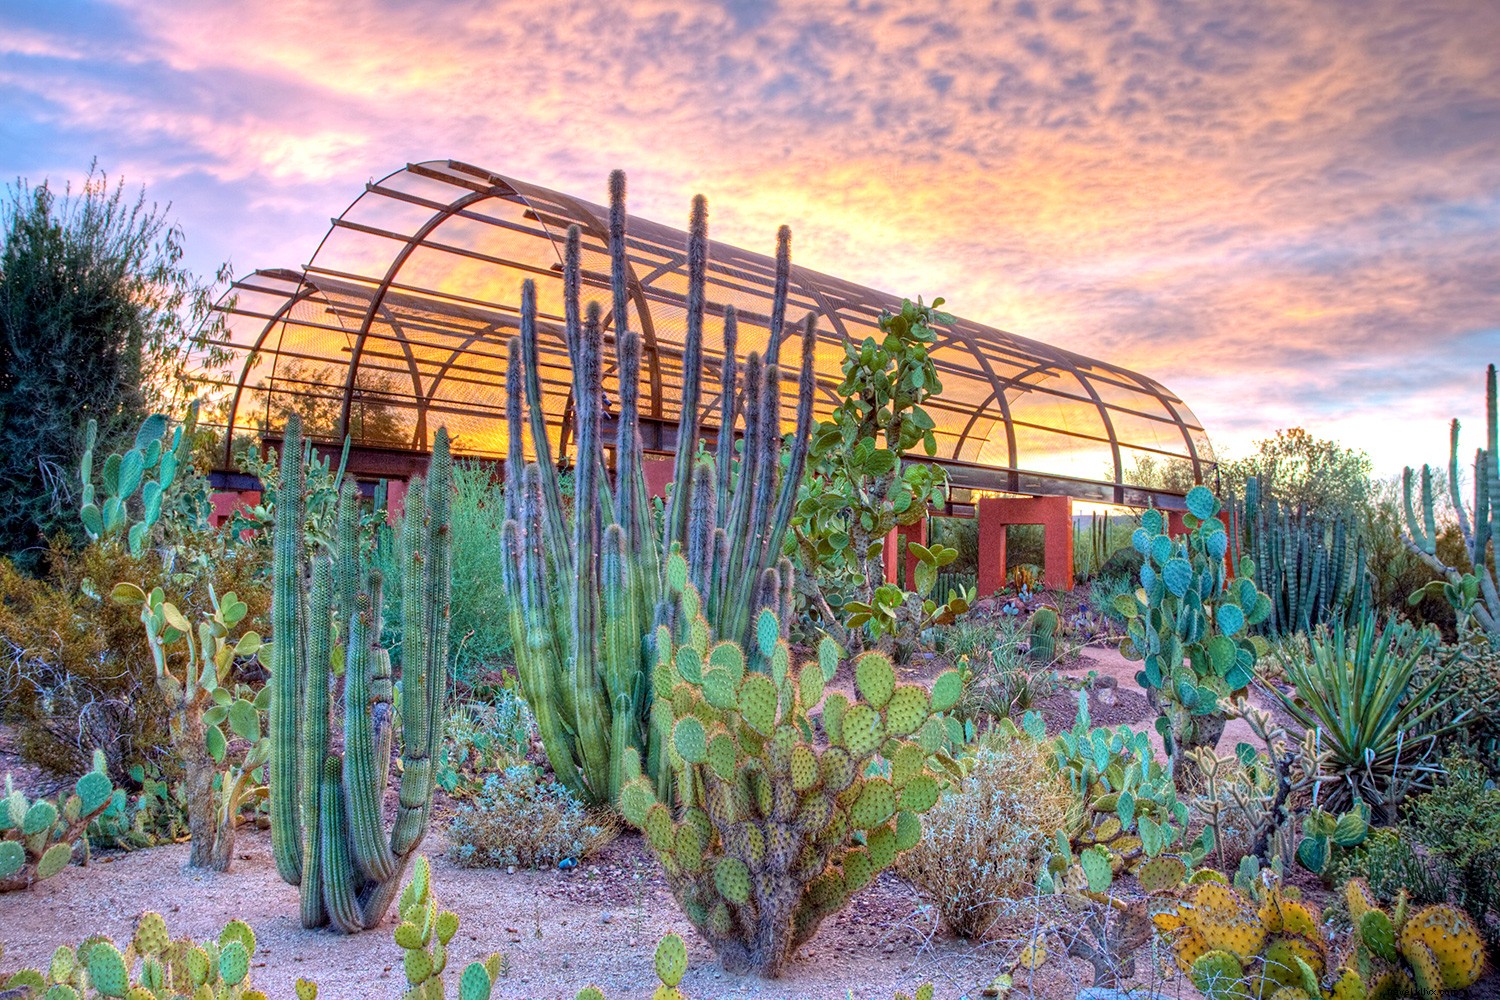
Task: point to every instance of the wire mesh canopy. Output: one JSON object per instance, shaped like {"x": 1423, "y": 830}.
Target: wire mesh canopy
{"x": 399, "y": 325}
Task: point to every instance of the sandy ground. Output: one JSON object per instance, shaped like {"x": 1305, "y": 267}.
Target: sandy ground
{"x": 559, "y": 931}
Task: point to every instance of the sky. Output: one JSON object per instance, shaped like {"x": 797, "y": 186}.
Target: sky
{"x": 1289, "y": 213}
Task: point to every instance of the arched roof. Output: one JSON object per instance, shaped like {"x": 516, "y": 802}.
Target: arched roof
{"x": 399, "y": 325}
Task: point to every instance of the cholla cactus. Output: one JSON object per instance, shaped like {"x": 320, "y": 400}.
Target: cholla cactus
{"x": 1188, "y": 622}
{"x": 1406, "y": 951}
{"x": 423, "y": 935}
{"x": 589, "y": 592}
{"x": 327, "y": 833}
{"x": 152, "y": 965}
{"x": 37, "y": 838}
{"x": 1475, "y": 593}
{"x": 773, "y": 833}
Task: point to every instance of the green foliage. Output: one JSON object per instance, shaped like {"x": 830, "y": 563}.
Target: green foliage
{"x": 981, "y": 844}
{"x": 860, "y": 487}
{"x": 95, "y": 314}
{"x": 1297, "y": 471}
{"x": 157, "y": 814}
{"x": 1459, "y": 823}
{"x": 327, "y": 806}
{"x": 1189, "y": 623}
{"x": 592, "y": 582}
{"x": 1313, "y": 566}
{"x": 1392, "y": 865}
{"x": 1000, "y": 677}
{"x": 1474, "y": 590}
{"x": 480, "y": 622}
{"x": 37, "y": 838}
{"x": 1363, "y": 692}
{"x": 207, "y": 709}
{"x": 520, "y": 816}
{"x": 136, "y": 483}
{"x": 774, "y": 833}
{"x": 152, "y": 964}
{"x": 480, "y": 738}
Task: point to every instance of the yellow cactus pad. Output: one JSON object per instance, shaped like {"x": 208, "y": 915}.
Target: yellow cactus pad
{"x": 1450, "y": 937}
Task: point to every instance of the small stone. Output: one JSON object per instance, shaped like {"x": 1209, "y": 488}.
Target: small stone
{"x": 607, "y": 918}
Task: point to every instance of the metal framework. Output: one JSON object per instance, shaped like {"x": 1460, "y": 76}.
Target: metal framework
{"x": 400, "y": 322}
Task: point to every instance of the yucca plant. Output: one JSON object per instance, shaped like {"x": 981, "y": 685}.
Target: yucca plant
{"x": 1372, "y": 708}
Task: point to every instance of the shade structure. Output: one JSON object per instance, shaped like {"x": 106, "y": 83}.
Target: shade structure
{"x": 399, "y": 325}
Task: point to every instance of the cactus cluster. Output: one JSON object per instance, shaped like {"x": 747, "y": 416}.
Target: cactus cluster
{"x": 327, "y": 831}
{"x": 774, "y": 833}
{"x": 151, "y": 966}
{"x": 670, "y": 963}
{"x": 202, "y": 699}
{"x": 1475, "y": 591}
{"x": 589, "y": 592}
{"x": 423, "y": 936}
{"x": 150, "y": 468}
{"x": 1188, "y": 621}
{"x": 1262, "y": 945}
{"x": 1412, "y": 951}
{"x": 1312, "y": 567}
{"x": 37, "y": 838}
{"x": 1127, "y": 815}
{"x": 1043, "y": 631}
{"x": 1325, "y": 834}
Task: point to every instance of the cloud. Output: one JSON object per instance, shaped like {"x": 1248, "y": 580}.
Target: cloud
{"x": 1287, "y": 212}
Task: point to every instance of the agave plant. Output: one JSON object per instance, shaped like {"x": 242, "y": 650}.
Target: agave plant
{"x": 1373, "y": 709}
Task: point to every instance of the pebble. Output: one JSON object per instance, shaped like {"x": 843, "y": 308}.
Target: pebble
{"x": 606, "y": 917}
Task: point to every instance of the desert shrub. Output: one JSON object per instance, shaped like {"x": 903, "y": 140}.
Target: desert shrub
{"x": 1123, "y": 563}
{"x": 75, "y": 670}
{"x": 481, "y": 737}
{"x": 480, "y": 624}
{"x": 524, "y": 818}
{"x": 1102, "y": 593}
{"x": 981, "y": 845}
{"x": 1002, "y": 679}
{"x": 1459, "y": 822}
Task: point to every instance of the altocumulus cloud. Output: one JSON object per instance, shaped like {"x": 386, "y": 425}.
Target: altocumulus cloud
{"x": 1289, "y": 212}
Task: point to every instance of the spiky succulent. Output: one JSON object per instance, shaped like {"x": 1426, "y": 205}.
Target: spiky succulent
{"x": 37, "y": 837}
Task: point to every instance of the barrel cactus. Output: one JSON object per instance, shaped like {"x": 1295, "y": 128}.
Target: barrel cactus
{"x": 1043, "y": 629}
{"x": 773, "y": 833}
{"x": 327, "y": 832}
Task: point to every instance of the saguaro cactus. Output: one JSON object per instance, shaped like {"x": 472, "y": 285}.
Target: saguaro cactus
{"x": 326, "y": 806}
{"x": 588, "y": 594}
{"x": 1476, "y": 592}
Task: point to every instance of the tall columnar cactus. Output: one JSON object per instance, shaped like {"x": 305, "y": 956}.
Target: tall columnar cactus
{"x": 150, "y": 468}
{"x": 1475, "y": 591}
{"x": 1188, "y": 621}
{"x": 1406, "y": 951}
{"x": 326, "y": 805}
{"x": 1313, "y": 568}
{"x": 37, "y": 838}
{"x": 589, "y": 587}
{"x": 1043, "y": 631}
{"x": 775, "y": 832}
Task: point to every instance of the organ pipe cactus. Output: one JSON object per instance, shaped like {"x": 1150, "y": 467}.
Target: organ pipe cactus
{"x": 589, "y": 585}
{"x": 774, "y": 832}
{"x": 37, "y": 838}
{"x": 326, "y": 806}
{"x": 1474, "y": 591}
{"x": 1188, "y": 622}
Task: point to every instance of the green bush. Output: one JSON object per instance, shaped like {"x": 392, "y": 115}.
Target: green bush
{"x": 1459, "y": 822}
{"x": 480, "y": 622}
{"x": 522, "y": 817}
{"x": 480, "y": 737}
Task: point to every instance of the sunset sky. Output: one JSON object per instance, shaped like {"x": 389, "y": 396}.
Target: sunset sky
{"x": 1287, "y": 212}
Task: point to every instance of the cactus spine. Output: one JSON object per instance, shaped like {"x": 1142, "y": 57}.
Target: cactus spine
{"x": 326, "y": 818}
{"x": 591, "y": 589}
{"x": 1474, "y": 593}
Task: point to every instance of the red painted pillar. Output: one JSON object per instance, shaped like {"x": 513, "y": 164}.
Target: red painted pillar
{"x": 1175, "y": 525}
{"x": 1057, "y": 526}
{"x": 658, "y": 470}
{"x": 226, "y": 502}
{"x": 395, "y": 500}
{"x": 991, "y": 547}
{"x": 888, "y": 556}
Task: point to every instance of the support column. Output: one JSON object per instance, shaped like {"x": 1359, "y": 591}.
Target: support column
{"x": 1054, "y": 514}
{"x": 658, "y": 470}
{"x": 226, "y": 502}
{"x": 889, "y": 551}
{"x": 991, "y": 570}
{"x": 1057, "y": 524}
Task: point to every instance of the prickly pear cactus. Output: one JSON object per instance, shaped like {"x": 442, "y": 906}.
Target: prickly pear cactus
{"x": 1189, "y": 624}
{"x": 151, "y": 966}
{"x": 148, "y": 469}
{"x": 37, "y": 838}
{"x": 1410, "y": 952}
{"x": 671, "y": 965}
{"x": 1266, "y": 943}
{"x": 424, "y": 934}
{"x": 773, "y": 833}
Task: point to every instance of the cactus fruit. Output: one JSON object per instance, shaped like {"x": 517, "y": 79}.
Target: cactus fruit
{"x": 766, "y": 848}
{"x": 37, "y": 838}
{"x": 592, "y": 585}
{"x": 1043, "y": 628}
{"x": 1187, "y": 623}
{"x": 1412, "y": 951}
{"x": 327, "y": 833}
